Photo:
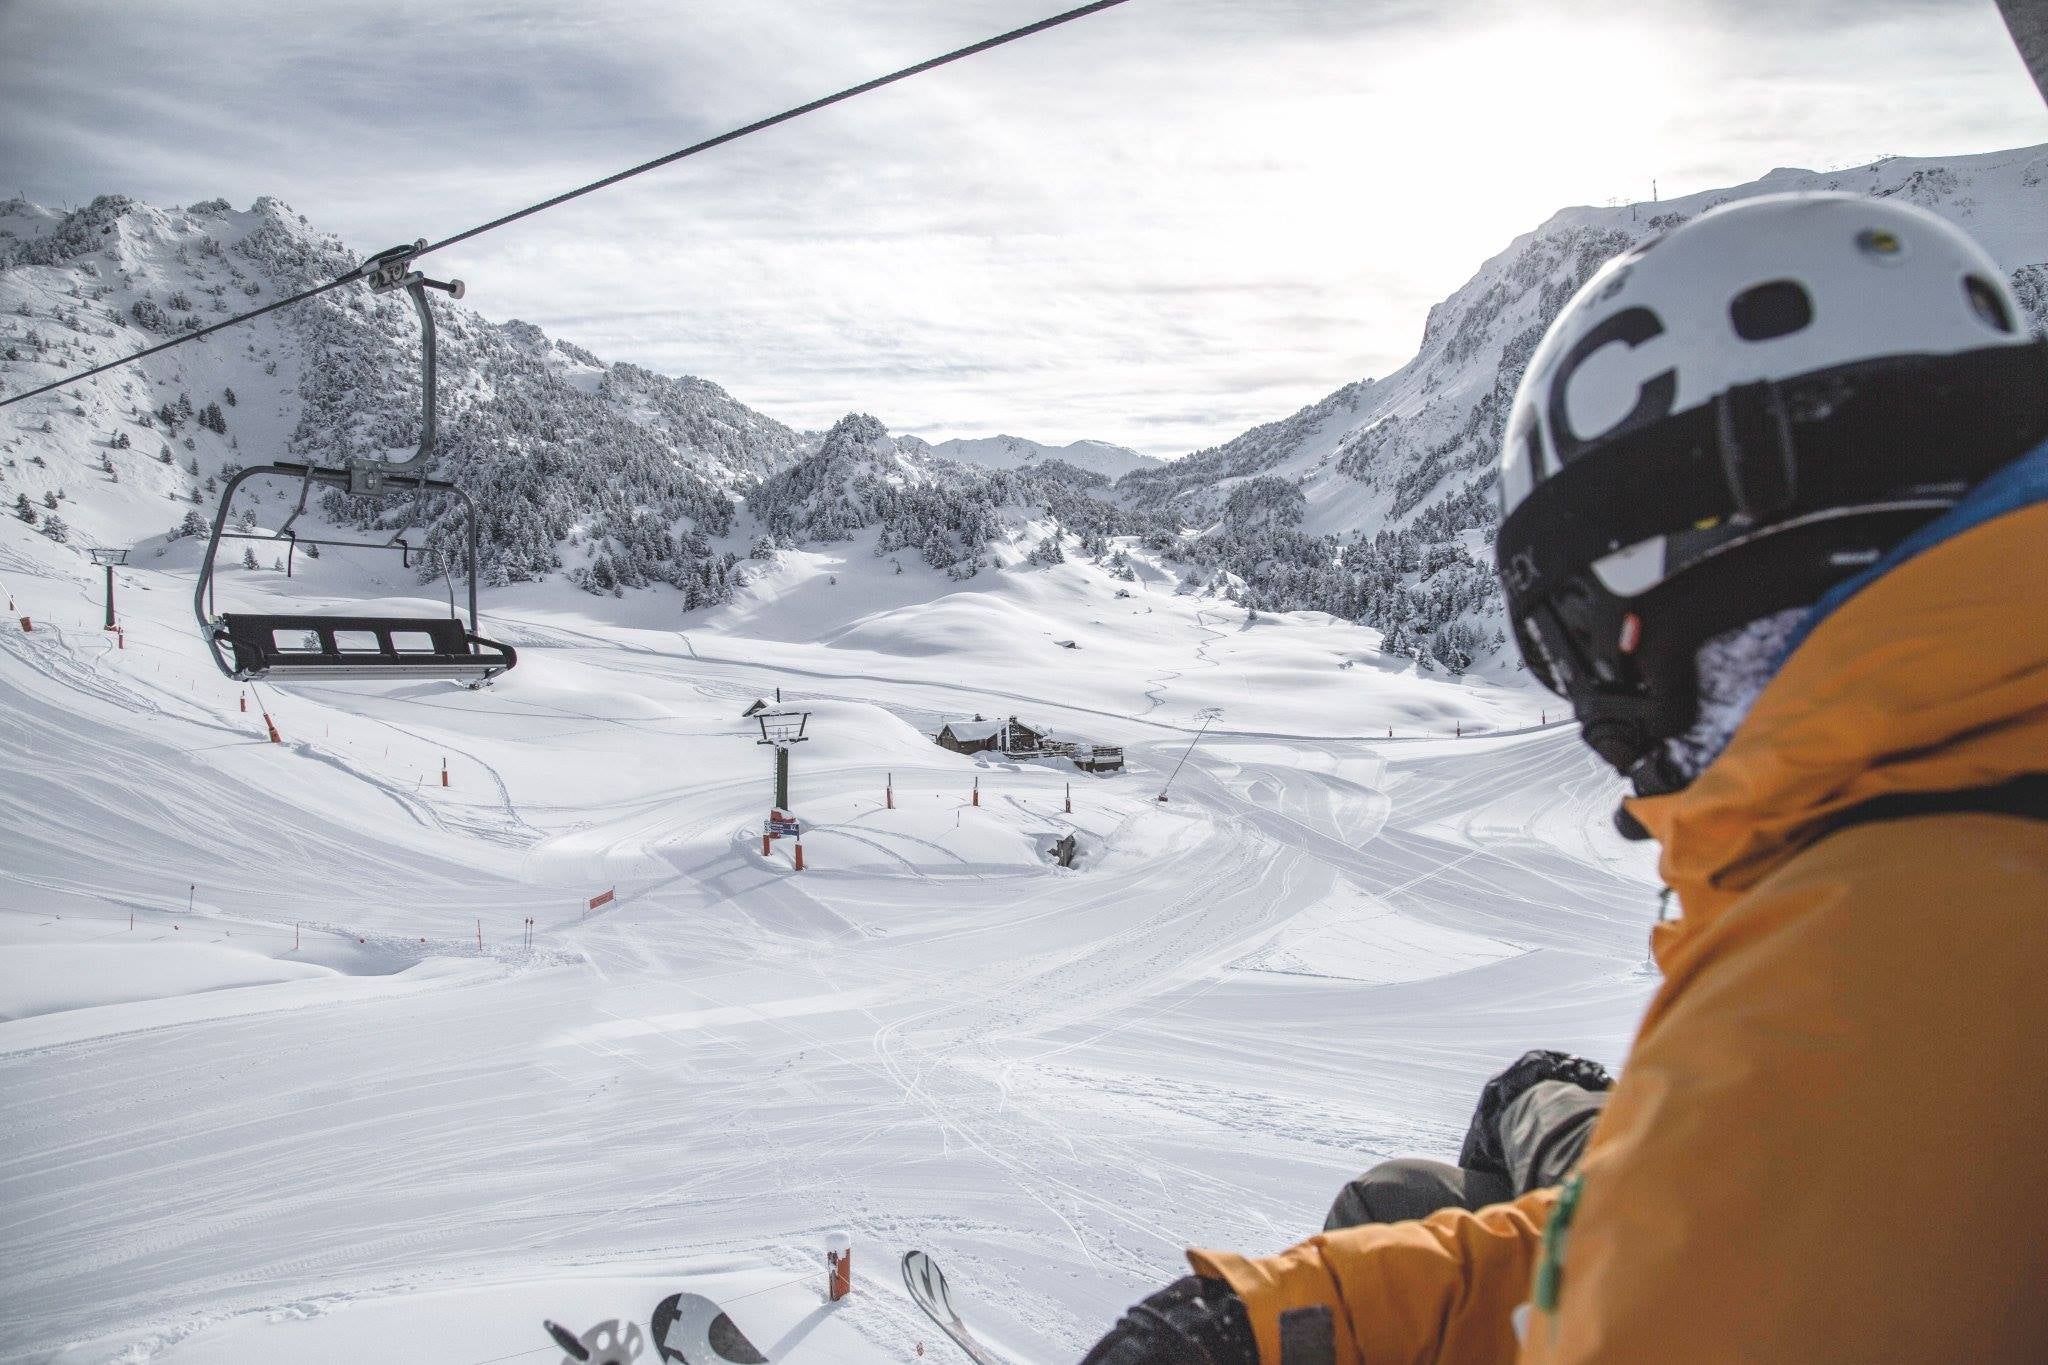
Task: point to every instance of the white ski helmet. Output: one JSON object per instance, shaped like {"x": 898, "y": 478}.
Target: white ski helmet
{"x": 1726, "y": 421}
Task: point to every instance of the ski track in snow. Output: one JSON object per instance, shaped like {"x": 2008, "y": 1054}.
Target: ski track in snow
{"x": 1053, "y": 1080}
{"x": 1155, "y": 691}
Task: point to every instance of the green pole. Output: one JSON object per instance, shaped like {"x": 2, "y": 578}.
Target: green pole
{"x": 782, "y": 778}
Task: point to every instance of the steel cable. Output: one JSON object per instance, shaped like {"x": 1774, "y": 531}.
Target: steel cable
{"x": 706, "y": 145}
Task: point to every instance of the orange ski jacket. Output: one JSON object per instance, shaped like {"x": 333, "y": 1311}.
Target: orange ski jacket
{"x": 1827, "y": 1143}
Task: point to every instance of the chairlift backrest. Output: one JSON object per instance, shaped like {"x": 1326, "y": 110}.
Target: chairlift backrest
{"x": 359, "y": 647}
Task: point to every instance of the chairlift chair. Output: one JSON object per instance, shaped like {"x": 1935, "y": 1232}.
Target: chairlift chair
{"x": 249, "y": 645}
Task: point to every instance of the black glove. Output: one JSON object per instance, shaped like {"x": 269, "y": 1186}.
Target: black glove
{"x": 1482, "y": 1151}
{"x": 1193, "y": 1321}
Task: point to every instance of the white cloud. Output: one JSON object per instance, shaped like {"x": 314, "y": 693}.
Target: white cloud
{"x": 1157, "y": 226}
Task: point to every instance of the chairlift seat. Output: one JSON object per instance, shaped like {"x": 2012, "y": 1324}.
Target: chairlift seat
{"x": 359, "y": 647}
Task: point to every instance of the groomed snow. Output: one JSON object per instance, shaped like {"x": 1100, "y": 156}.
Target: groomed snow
{"x": 45, "y": 978}
{"x": 430, "y": 1124}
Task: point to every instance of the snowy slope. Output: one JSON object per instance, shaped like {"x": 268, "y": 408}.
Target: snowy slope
{"x": 397, "y": 1128}
{"x": 1414, "y": 451}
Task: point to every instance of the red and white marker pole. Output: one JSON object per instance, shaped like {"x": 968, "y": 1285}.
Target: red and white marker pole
{"x": 838, "y": 1266}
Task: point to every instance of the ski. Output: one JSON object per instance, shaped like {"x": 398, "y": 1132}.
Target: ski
{"x": 690, "y": 1329}
{"x": 927, "y": 1286}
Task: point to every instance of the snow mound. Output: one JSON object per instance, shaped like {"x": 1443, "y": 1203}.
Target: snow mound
{"x": 45, "y": 978}
{"x": 1373, "y": 946}
{"x": 971, "y": 624}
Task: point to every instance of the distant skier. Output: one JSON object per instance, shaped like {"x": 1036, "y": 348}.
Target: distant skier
{"x": 1775, "y": 497}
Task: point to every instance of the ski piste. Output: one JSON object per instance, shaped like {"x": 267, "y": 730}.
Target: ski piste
{"x": 927, "y": 1286}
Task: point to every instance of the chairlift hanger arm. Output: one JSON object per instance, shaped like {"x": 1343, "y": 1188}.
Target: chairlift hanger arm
{"x": 298, "y": 509}
{"x": 387, "y": 271}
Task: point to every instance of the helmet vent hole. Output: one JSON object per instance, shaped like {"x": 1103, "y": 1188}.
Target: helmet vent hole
{"x": 1776, "y": 309}
{"x": 1987, "y": 302}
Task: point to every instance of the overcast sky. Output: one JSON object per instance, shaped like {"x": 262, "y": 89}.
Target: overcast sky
{"x": 1157, "y": 226}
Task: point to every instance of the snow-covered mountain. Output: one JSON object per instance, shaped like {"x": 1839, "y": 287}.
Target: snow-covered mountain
{"x": 1014, "y": 452}
{"x": 1413, "y": 453}
{"x": 948, "y": 513}
{"x": 607, "y": 474}
{"x": 1374, "y": 504}
{"x": 612, "y": 473}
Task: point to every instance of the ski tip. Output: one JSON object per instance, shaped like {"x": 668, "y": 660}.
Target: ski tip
{"x": 566, "y": 1339}
{"x": 927, "y": 1286}
{"x": 916, "y": 1267}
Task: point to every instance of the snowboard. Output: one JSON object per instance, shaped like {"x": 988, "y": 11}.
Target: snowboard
{"x": 927, "y": 1286}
